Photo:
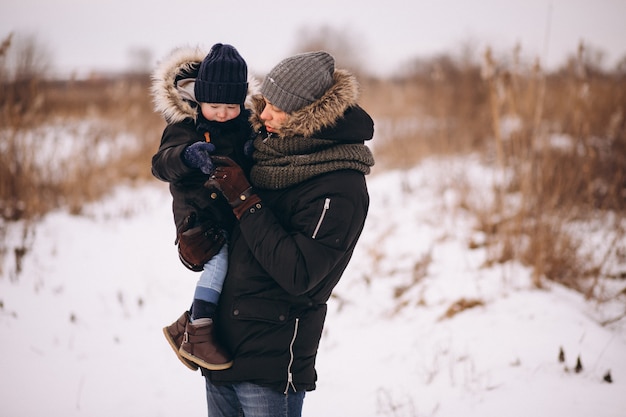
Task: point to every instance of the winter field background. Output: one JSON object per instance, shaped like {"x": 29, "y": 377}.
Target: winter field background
{"x": 81, "y": 317}
{"x": 450, "y": 306}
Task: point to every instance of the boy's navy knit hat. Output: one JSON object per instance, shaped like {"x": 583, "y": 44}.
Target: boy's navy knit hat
{"x": 299, "y": 80}
{"x": 222, "y": 77}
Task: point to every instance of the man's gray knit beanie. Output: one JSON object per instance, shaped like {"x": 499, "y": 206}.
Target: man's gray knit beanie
{"x": 299, "y": 80}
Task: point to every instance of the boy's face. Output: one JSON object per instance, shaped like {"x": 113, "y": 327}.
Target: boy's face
{"x": 217, "y": 112}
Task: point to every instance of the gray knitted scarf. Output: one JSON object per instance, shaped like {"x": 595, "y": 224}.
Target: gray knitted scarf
{"x": 283, "y": 162}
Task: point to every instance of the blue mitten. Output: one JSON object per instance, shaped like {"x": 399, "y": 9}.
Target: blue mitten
{"x": 198, "y": 155}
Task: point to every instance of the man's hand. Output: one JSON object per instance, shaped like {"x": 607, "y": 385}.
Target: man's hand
{"x": 231, "y": 181}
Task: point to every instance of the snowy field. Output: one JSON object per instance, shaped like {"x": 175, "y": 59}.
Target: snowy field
{"x": 81, "y": 319}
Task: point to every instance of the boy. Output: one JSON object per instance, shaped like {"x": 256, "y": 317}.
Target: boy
{"x": 202, "y": 100}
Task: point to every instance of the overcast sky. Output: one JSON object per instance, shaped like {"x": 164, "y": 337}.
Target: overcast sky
{"x": 85, "y": 35}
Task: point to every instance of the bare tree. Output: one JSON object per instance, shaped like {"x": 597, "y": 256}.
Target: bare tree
{"x": 620, "y": 67}
{"x": 28, "y": 58}
{"x": 4, "y": 49}
{"x": 140, "y": 60}
{"x": 341, "y": 43}
{"x": 24, "y": 63}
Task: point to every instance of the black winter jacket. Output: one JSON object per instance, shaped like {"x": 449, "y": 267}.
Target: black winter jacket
{"x": 172, "y": 90}
{"x": 190, "y": 199}
{"x": 287, "y": 257}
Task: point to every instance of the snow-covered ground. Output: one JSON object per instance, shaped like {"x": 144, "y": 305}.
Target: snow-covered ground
{"x": 80, "y": 324}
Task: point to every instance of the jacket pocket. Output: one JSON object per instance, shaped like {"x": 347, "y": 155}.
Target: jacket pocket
{"x": 325, "y": 209}
{"x": 334, "y": 222}
{"x": 260, "y": 309}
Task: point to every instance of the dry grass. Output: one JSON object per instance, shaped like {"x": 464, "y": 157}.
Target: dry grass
{"x": 111, "y": 127}
{"x": 557, "y": 140}
{"x": 558, "y": 182}
{"x": 461, "y": 305}
{"x": 100, "y": 115}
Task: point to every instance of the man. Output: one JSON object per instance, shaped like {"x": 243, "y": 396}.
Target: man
{"x": 300, "y": 217}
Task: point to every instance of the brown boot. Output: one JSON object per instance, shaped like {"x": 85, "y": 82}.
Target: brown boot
{"x": 199, "y": 346}
{"x": 174, "y": 333}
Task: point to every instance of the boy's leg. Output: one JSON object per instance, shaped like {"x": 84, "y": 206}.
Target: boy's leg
{"x": 199, "y": 344}
{"x": 174, "y": 333}
{"x": 209, "y": 286}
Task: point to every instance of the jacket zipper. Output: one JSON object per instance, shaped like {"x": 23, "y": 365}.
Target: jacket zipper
{"x": 289, "y": 374}
{"x": 319, "y": 222}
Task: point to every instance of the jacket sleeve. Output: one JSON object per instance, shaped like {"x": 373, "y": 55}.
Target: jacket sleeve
{"x": 319, "y": 238}
{"x": 167, "y": 163}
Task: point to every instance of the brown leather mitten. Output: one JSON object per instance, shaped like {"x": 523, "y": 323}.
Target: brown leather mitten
{"x": 231, "y": 181}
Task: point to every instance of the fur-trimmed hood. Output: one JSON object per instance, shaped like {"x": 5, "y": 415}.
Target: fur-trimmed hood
{"x": 173, "y": 83}
{"x": 323, "y": 114}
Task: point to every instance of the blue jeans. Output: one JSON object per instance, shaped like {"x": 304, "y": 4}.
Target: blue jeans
{"x": 251, "y": 400}
{"x": 211, "y": 281}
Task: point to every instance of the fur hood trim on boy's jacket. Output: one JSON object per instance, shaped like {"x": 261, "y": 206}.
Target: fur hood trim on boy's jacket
{"x": 173, "y": 85}
{"x": 318, "y": 115}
